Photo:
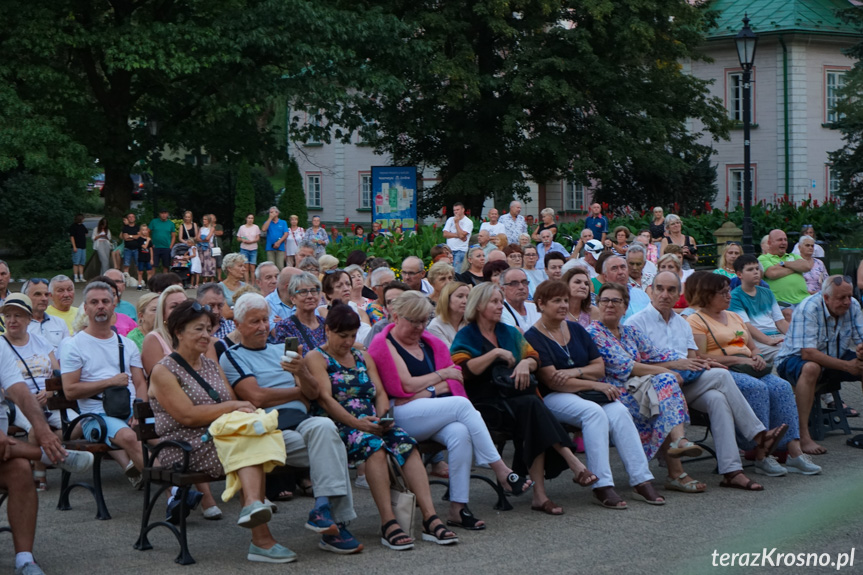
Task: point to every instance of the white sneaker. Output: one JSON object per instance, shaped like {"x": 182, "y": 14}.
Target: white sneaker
{"x": 802, "y": 464}
{"x": 77, "y": 461}
{"x": 213, "y": 513}
{"x": 361, "y": 482}
{"x": 770, "y": 467}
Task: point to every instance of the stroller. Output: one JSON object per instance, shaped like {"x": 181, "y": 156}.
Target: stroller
{"x": 181, "y": 264}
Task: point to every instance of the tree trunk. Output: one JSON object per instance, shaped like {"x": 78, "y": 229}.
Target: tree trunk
{"x": 117, "y": 191}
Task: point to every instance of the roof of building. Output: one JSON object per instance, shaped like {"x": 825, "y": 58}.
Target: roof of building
{"x": 776, "y": 16}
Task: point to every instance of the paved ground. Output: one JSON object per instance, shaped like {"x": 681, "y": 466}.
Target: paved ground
{"x": 794, "y": 514}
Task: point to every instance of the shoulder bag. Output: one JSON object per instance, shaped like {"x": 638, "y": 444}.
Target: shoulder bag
{"x": 117, "y": 400}
{"x": 501, "y": 376}
{"x": 739, "y": 367}
{"x": 402, "y": 499}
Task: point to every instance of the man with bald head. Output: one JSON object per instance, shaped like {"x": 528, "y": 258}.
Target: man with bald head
{"x": 784, "y": 271}
{"x": 267, "y": 277}
{"x": 51, "y": 329}
{"x": 122, "y": 306}
{"x": 484, "y": 239}
{"x": 281, "y": 306}
{"x": 413, "y": 274}
{"x": 614, "y": 269}
{"x": 513, "y": 222}
{"x": 493, "y": 225}
{"x": 495, "y": 255}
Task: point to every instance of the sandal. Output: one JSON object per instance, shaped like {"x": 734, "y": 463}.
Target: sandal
{"x": 750, "y": 486}
{"x": 468, "y": 521}
{"x": 608, "y": 498}
{"x": 676, "y": 450}
{"x": 584, "y": 478}
{"x": 548, "y": 507}
{"x": 677, "y": 484}
{"x": 441, "y": 535}
{"x": 647, "y": 492}
{"x": 856, "y": 441}
{"x": 518, "y": 485}
{"x": 773, "y": 436}
{"x": 396, "y": 535}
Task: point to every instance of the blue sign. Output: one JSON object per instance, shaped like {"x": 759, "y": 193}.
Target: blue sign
{"x": 394, "y": 196}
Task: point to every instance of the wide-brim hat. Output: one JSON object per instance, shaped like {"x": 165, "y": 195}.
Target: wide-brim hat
{"x": 18, "y": 300}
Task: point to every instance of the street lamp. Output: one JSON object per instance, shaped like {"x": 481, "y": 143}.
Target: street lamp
{"x": 153, "y": 127}
{"x": 746, "y": 41}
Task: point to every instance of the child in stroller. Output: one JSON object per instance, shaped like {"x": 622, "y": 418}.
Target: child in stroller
{"x": 181, "y": 263}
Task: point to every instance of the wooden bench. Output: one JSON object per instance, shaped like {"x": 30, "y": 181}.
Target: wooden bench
{"x": 57, "y": 400}
{"x": 168, "y": 477}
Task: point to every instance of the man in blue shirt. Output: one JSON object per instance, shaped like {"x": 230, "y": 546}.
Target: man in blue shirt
{"x": 596, "y": 222}
{"x": 260, "y": 374}
{"x": 547, "y": 245}
{"x": 277, "y": 232}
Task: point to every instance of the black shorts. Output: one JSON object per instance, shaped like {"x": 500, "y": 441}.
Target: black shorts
{"x": 163, "y": 256}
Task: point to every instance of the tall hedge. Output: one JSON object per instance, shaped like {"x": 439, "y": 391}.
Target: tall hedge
{"x": 293, "y": 200}
{"x": 244, "y": 202}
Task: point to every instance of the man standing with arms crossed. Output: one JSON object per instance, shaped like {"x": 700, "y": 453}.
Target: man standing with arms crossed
{"x": 457, "y": 232}
{"x": 277, "y": 233}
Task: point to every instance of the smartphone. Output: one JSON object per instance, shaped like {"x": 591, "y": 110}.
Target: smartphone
{"x": 292, "y": 344}
{"x": 387, "y": 418}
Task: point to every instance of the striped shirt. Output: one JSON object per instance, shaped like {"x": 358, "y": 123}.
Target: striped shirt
{"x": 812, "y": 327}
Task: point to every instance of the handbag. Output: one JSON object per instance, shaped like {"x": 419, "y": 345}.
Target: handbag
{"x": 402, "y": 499}
{"x": 593, "y": 395}
{"x": 216, "y": 252}
{"x": 501, "y": 377}
{"x": 117, "y": 400}
{"x": 739, "y": 367}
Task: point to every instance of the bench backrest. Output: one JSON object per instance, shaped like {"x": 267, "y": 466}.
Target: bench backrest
{"x": 57, "y": 397}
{"x": 146, "y": 429}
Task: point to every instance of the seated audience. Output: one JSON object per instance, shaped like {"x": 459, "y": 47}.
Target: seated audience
{"x": 615, "y": 270}
{"x": 278, "y": 299}
{"x": 636, "y": 258}
{"x": 554, "y": 262}
{"x": 534, "y": 275}
{"x": 449, "y": 313}
{"x": 52, "y": 329}
{"x": 808, "y": 231}
{"x": 725, "y": 265}
{"x": 758, "y": 309}
{"x": 518, "y": 312}
{"x": 674, "y": 236}
{"x": 439, "y": 275}
{"x": 514, "y": 255}
{"x": 816, "y": 276}
{"x": 581, "y": 311}
{"x": 491, "y": 270}
{"x": 267, "y": 277}
{"x": 305, "y": 324}
{"x": 620, "y": 242}
{"x": 474, "y": 262}
{"x": 547, "y": 246}
{"x": 62, "y": 292}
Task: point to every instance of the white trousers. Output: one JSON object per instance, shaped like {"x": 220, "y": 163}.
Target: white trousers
{"x": 716, "y": 394}
{"x": 596, "y": 423}
{"x": 451, "y": 421}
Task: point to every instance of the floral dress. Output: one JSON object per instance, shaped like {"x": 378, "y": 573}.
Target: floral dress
{"x": 321, "y": 234}
{"x": 308, "y": 338}
{"x": 355, "y": 392}
{"x": 620, "y": 356}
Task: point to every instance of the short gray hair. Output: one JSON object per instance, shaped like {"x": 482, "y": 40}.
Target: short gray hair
{"x": 414, "y": 258}
{"x": 248, "y": 302}
{"x": 478, "y": 298}
{"x": 412, "y": 305}
{"x": 311, "y": 262}
{"x": 672, "y": 219}
{"x": 278, "y": 211}
{"x": 514, "y": 202}
{"x": 508, "y": 272}
{"x": 263, "y": 265}
{"x": 439, "y": 269}
{"x": 57, "y": 279}
{"x": 232, "y": 260}
{"x": 208, "y": 287}
{"x": 636, "y": 248}
{"x": 547, "y": 212}
{"x": 306, "y": 244}
{"x": 608, "y": 259}
{"x": 378, "y": 273}
{"x": 302, "y": 280}
{"x": 98, "y": 285}
{"x": 355, "y": 268}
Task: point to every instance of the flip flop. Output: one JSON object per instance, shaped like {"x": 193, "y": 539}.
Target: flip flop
{"x": 779, "y": 434}
{"x": 856, "y": 441}
{"x": 548, "y": 507}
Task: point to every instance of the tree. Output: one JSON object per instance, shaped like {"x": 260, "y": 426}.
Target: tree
{"x": 293, "y": 199}
{"x": 503, "y": 93}
{"x": 244, "y": 202}
{"x": 848, "y": 160}
{"x": 96, "y": 73}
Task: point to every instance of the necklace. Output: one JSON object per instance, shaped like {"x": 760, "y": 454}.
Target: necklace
{"x": 563, "y": 348}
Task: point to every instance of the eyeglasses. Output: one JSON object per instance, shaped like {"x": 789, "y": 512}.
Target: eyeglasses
{"x": 38, "y": 281}
{"x": 410, "y": 274}
{"x": 839, "y": 280}
{"x": 416, "y": 323}
{"x": 725, "y": 292}
{"x": 531, "y": 255}
{"x": 305, "y": 292}
{"x": 516, "y": 283}
{"x": 609, "y": 301}
{"x": 198, "y": 307}
{"x": 514, "y": 256}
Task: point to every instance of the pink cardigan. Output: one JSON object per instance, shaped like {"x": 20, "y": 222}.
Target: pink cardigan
{"x": 387, "y": 366}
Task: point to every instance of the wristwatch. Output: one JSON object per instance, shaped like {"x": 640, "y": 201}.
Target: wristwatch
{"x": 431, "y": 390}
{"x": 782, "y": 263}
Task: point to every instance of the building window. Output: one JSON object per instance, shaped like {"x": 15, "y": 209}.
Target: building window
{"x": 735, "y": 186}
{"x": 834, "y": 81}
{"x": 573, "y": 197}
{"x": 734, "y": 96}
{"x": 832, "y": 183}
{"x": 365, "y": 191}
{"x": 312, "y": 119}
{"x": 313, "y": 190}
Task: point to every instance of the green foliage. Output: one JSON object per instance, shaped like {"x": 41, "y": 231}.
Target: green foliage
{"x": 501, "y": 94}
{"x": 848, "y": 160}
{"x": 293, "y": 199}
{"x": 394, "y": 248}
{"x": 244, "y": 203}
{"x": 38, "y": 212}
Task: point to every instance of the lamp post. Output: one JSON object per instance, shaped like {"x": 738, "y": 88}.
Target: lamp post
{"x": 153, "y": 127}
{"x": 746, "y": 41}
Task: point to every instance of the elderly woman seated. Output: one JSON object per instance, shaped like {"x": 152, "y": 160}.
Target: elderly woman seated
{"x": 430, "y": 402}
{"x": 572, "y": 388}
{"x": 498, "y": 363}
{"x": 352, "y": 394}
{"x": 650, "y": 392}
{"x": 304, "y": 291}
{"x": 188, "y": 391}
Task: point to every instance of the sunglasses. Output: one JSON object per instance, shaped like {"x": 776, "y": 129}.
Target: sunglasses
{"x": 38, "y": 281}
{"x": 198, "y": 307}
{"x": 335, "y": 271}
{"x": 839, "y": 280}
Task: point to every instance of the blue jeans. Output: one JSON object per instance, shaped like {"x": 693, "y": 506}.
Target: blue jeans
{"x": 130, "y": 256}
{"x": 457, "y": 259}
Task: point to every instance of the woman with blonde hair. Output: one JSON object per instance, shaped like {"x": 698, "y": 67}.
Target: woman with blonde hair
{"x": 439, "y": 275}
{"x": 449, "y": 312}
{"x": 547, "y": 223}
{"x": 674, "y": 235}
{"x": 501, "y": 241}
{"x": 328, "y": 262}
{"x": 146, "y": 309}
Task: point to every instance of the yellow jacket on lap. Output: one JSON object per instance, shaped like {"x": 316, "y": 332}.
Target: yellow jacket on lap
{"x": 244, "y": 440}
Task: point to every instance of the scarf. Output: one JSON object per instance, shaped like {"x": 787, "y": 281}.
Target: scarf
{"x": 468, "y": 342}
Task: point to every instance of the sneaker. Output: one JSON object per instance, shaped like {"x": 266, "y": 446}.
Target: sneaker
{"x": 140, "y": 287}
{"x": 134, "y": 476}
{"x": 212, "y": 513}
{"x": 172, "y": 515}
{"x": 321, "y": 521}
{"x": 255, "y": 514}
{"x": 275, "y": 554}
{"x": 361, "y": 482}
{"x": 802, "y": 464}
{"x": 29, "y": 569}
{"x": 77, "y": 461}
{"x": 273, "y": 506}
{"x": 770, "y": 467}
{"x": 344, "y": 543}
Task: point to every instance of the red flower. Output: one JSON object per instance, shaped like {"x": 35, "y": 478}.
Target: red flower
{"x": 676, "y": 207}
{"x": 604, "y": 206}
{"x": 443, "y": 210}
{"x": 707, "y": 207}
{"x": 694, "y": 212}
{"x": 557, "y": 217}
{"x": 434, "y": 226}
{"x": 815, "y": 203}
{"x": 353, "y": 228}
{"x": 347, "y": 221}
{"x": 467, "y": 212}
{"x": 642, "y": 213}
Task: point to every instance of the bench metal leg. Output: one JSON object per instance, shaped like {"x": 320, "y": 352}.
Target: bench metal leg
{"x": 95, "y": 490}
{"x": 143, "y": 543}
{"x": 503, "y": 503}
{"x": 445, "y": 484}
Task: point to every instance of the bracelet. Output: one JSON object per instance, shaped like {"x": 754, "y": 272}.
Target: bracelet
{"x": 437, "y": 373}
{"x": 580, "y": 373}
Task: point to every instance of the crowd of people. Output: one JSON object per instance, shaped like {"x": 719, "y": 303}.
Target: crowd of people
{"x": 568, "y": 351}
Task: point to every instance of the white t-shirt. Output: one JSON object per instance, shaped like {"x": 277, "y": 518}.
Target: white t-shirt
{"x": 525, "y": 322}
{"x": 493, "y": 229}
{"x": 9, "y": 374}
{"x": 52, "y": 329}
{"x": 37, "y": 356}
{"x": 455, "y": 244}
{"x": 98, "y": 359}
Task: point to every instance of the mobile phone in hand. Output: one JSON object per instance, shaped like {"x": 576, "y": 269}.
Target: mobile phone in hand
{"x": 292, "y": 344}
{"x": 387, "y": 418}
